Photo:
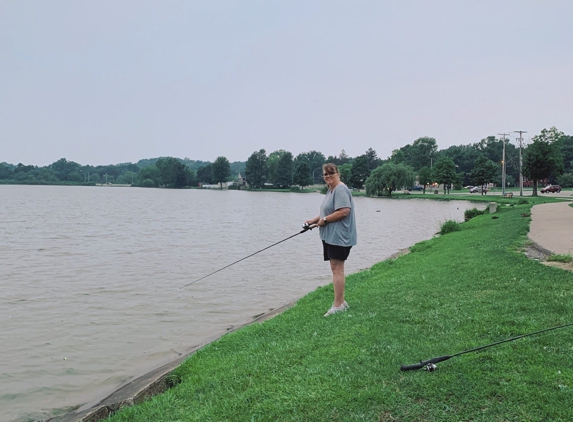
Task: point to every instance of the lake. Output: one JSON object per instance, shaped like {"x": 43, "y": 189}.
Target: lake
{"x": 92, "y": 278}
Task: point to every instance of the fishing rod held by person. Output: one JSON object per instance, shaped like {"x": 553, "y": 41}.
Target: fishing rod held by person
{"x": 306, "y": 227}
{"x": 430, "y": 364}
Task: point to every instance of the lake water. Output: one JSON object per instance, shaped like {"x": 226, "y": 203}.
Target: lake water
{"x": 91, "y": 277}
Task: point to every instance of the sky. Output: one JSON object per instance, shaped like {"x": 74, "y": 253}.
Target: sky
{"x": 113, "y": 81}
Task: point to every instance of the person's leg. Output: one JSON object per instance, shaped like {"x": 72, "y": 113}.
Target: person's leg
{"x": 337, "y": 267}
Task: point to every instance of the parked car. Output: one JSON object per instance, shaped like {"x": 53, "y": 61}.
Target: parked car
{"x": 551, "y": 188}
{"x": 469, "y": 186}
{"x": 478, "y": 189}
{"x": 416, "y": 188}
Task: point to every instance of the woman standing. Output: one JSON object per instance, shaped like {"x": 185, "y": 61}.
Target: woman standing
{"x": 337, "y": 230}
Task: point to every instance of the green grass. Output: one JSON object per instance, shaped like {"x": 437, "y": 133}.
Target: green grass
{"x": 452, "y": 293}
{"x": 560, "y": 258}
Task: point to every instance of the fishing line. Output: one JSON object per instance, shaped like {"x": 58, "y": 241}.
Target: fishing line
{"x": 430, "y": 364}
{"x": 305, "y": 228}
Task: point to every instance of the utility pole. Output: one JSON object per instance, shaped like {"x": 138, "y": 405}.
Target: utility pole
{"x": 521, "y": 132}
{"x": 503, "y": 164}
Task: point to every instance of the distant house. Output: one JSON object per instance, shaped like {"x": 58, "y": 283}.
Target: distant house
{"x": 241, "y": 182}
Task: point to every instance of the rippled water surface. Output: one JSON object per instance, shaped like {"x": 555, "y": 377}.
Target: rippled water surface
{"x": 91, "y": 277}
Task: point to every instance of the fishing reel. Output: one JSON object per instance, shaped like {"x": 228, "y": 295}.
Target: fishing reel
{"x": 430, "y": 367}
{"x": 307, "y": 226}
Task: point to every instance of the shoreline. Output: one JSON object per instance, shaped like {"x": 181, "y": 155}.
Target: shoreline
{"x": 157, "y": 381}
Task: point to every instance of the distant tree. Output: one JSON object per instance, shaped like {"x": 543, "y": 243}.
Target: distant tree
{"x": 373, "y": 160}
{"x": 63, "y": 168}
{"x": 205, "y": 174}
{"x": 273, "y": 164}
{"x": 398, "y": 157}
{"x": 256, "y": 169}
{"x": 284, "y": 176}
{"x": 221, "y": 170}
{"x": 543, "y": 157}
{"x": 425, "y": 177}
{"x": 146, "y": 173}
{"x": 345, "y": 171}
{"x": 6, "y": 171}
{"x": 172, "y": 172}
{"x": 388, "y": 178}
{"x": 359, "y": 172}
{"x": 444, "y": 171}
{"x": 484, "y": 171}
{"x": 302, "y": 176}
{"x": 423, "y": 151}
{"x": 567, "y": 153}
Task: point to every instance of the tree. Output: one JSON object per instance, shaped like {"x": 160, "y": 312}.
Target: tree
{"x": 425, "y": 177}
{"x": 543, "y": 157}
{"x": 256, "y": 169}
{"x": 422, "y": 152}
{"x": 373, "y": 160}
{"x": 272, "y": 165}
{"x": 359, "y": 172}
{"x": 172, "y": 172}
{"x": 484, "y": 171}
{"x": 314, "y": 159}
{"x": 444, "y": 171}
{"x": 345, "y": 171}
{"x": 221, "y": 170}
{"x": 283, "y": 177}
{"x": 6, "y": 171}
{"x": 63, "y": 168}
{"x": 302, "y": 175}
{"x": 149, "y": 175}
{"x": 389, "y": 177}
{"x": 205, "y": 174}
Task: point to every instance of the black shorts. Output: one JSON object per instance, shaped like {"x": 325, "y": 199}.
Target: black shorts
{"x": 335, "y": 252}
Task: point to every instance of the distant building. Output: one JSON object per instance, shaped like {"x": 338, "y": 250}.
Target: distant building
{"x": 241, "y": 183}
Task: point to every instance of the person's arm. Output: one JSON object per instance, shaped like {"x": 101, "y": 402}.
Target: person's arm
{"x": 339, "y": 214}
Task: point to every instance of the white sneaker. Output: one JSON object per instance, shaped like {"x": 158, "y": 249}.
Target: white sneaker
{"x": 334, "y": 309}
{"x": 345, "y": 304}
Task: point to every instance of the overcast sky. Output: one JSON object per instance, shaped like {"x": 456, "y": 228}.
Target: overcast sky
{"x": 106, "y": 82}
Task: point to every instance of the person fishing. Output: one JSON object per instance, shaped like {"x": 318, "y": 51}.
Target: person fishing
{"x": 337, "y": 226}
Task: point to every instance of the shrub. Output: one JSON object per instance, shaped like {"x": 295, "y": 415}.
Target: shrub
{"x": 474, "y": 212}
{"x": 449, "y": 227}
{"x": 148, "y": 183}
{"x": 522, "y": 201}
{"x": 295, "y": 189}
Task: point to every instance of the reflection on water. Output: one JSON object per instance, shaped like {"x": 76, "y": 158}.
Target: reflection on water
{"x": 91, "y": 278}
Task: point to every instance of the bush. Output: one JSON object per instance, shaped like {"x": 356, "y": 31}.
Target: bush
{"x": 295, "y": 189}
{"x": 565, "y": 180}
{"x": 474, "y": 212}
{"x": 449, "y": 227}
{"x": 522, "y": 201}
{"x": 148, "y": 183}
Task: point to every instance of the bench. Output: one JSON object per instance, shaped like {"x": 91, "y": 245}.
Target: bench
{"x": 508, "y": 195}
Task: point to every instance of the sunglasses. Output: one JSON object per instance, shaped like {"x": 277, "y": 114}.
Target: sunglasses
{"x": 328, "y": 174}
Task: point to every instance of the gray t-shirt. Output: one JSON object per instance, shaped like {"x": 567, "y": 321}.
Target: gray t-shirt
{"x": 343, "y": 232}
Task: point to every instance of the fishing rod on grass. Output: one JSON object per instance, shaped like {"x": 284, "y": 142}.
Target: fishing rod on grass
{"x": 305, "y": 228}
{"x": 430, "y": 364}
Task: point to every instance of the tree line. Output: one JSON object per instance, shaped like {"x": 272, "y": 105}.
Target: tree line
{"x": 548, "y": 156}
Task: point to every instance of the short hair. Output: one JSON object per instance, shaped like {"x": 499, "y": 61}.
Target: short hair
{"x": 329, "y": 168}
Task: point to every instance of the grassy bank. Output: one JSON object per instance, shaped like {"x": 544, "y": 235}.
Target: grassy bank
{"x": 452, "y": 293}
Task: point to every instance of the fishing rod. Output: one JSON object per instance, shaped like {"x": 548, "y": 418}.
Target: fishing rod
{"x": 430, "y": 364}
{"x": 305, "y": 228}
